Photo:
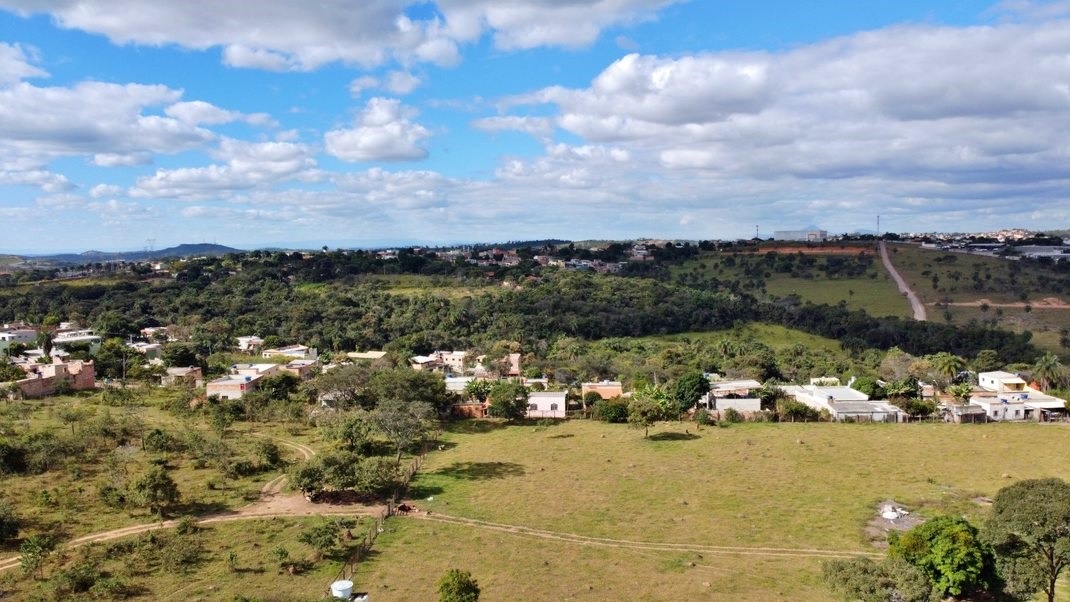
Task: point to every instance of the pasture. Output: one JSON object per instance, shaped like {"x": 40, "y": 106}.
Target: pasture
{"x": 590, "y": 511}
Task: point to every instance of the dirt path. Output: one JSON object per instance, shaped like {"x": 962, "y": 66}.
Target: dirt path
{"x": 1045, "y": 303}
{"x": 643, "y": 545}
{"x": 272, "y": 504}
{"x": 915, "y": 304}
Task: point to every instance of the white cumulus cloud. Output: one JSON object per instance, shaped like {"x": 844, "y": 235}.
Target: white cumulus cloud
{"x": 383, "y": 131}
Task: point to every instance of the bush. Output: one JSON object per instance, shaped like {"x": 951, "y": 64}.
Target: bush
{"x": 187, "y": 525}
{"x": 112, "y": 496}
{"x": 9, "y": 522}
{"x": 610, "y": 410}
{"x": 703, "y": 418}
{"x": 732, "y": 416}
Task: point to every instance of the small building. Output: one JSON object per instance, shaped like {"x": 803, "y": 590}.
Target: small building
{"x": 250, "y": 344}
{"x": 191, "y": 376}
{"x": 297, "y": 352}
{"x": 458, "y": 384}
{"x": 607, "y": 389}
{"x": 547, "y": 404}
{"x": 10, "y": 336}
{"x": 151, "y": 351}
{"x": 801, "y": 235}
{"x": 366, "y": 356}
{"x": 46, "y": 379}
{"x": 77, "y": 336}
{"x": 232, "y": 386}
{"x": 302, "y": 369}
{"x": 1001, "y": 382}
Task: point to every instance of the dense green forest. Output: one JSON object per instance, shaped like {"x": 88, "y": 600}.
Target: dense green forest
{"x": 333, "y": 301}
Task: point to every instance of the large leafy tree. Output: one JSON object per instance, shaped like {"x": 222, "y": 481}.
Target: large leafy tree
{"x": 645, "y": 408}
{"x": 948, "y": 365}
{"x": 687, "y": 390}
{"x": 1029, "y": 527}
{"x": 1049, "y": 370}
{"x": 403, "y": 423}
{"x": 508, "y": 400}
{"x": 949, "y": 551}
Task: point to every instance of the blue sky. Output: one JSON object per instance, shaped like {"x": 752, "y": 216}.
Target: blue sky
{"x": 369, "y": 122}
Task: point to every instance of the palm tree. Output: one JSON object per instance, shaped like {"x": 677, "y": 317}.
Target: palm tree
{"x": 1048, "y": 369}
{"x": 948, "y": 365}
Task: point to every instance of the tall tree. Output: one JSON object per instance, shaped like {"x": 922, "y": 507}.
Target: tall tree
{"x": 688, "y": 389}
{"x": 1049, "y": 370}
{"x": 402, "y": 423}
{"x": 948, "y": 365}
{"x": 951, "y": 554}
{"x": 644, "y": 409}
{"x": 1029, "y": 527}
{"x": 508, "y": 400}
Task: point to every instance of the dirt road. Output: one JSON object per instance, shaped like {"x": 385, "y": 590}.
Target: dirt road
{"x": 643, "y": 545}
{"x": 272, "y": 504}
{"x": 915, "y": 304}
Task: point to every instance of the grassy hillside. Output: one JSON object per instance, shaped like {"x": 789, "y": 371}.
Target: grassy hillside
{"x": 853, "y": 275}
{"x": 1014, "y": 295}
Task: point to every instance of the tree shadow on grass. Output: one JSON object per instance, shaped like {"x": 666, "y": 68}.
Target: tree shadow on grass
{"x": 471, "y": 426}
{"x": 561, "y": 436}
{"x": 416, "y": 491}
{"x": 197, "y": 509}
{"x": 674, "y": 437}
{"x": 480, "y": 471}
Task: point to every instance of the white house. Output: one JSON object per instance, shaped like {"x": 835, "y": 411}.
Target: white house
{"x": 1006, "y": 396}
{"x": 297, "y": 352}
{"x": 733, "y": 394}
{"x": 249, "y": 344}
{"x": 547, "y": 404}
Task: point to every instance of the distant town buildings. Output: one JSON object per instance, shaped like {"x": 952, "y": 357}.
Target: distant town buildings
{"x": 801, "y": 235}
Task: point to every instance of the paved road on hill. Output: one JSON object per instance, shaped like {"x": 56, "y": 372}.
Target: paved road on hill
{"x": 915, "y": 303}
{"x": 645, "y": 545}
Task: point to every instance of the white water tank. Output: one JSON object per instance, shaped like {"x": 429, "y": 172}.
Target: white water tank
{"x": 342, "y": 589}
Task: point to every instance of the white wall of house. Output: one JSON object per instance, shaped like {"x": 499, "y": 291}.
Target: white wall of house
{"x": 547, "y": 404}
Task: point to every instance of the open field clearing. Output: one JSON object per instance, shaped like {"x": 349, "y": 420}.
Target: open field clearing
{"x": 411, "y": 285}
{"x": 776, "y": 337}
{"x": 784, "y": 488}
{"x": 825, "y": 275}
{"x": 959, "y": 287}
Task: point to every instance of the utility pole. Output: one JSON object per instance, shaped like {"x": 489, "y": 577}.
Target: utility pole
{"x": 878, "y": 226}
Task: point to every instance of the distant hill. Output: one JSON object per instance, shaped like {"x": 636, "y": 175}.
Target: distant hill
{"x": 183, "y": 250}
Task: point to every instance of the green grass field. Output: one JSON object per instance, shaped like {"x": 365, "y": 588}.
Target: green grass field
{"x": 872, "y": 291}
{"x": 1004, "y": 285}
{"x": 775, "y": 336}
{"x": 757, "y": 486}
{"x": 439, "y": 286}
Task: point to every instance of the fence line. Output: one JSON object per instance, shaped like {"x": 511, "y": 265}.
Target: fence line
{"x": 364, "y": 548}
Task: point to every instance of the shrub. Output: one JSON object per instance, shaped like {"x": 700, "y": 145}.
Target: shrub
{"x": 732, "y": 416}
{"x": 611, "y": 410}
{"x": 702, "y": 416}
{"x": 187, "y": 525}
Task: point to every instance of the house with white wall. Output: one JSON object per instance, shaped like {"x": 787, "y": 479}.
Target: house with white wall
{"x": 547, "y": 404}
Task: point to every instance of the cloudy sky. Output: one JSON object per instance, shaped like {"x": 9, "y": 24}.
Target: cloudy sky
{"x": 125, "y": 123}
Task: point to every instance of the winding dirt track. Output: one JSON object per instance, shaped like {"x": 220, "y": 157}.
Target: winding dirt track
{"x": 270, "y": 505}
{"x": 644, "y": 545}
{"x": 915, "y": 303}
{"x": 273, "y": 505}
